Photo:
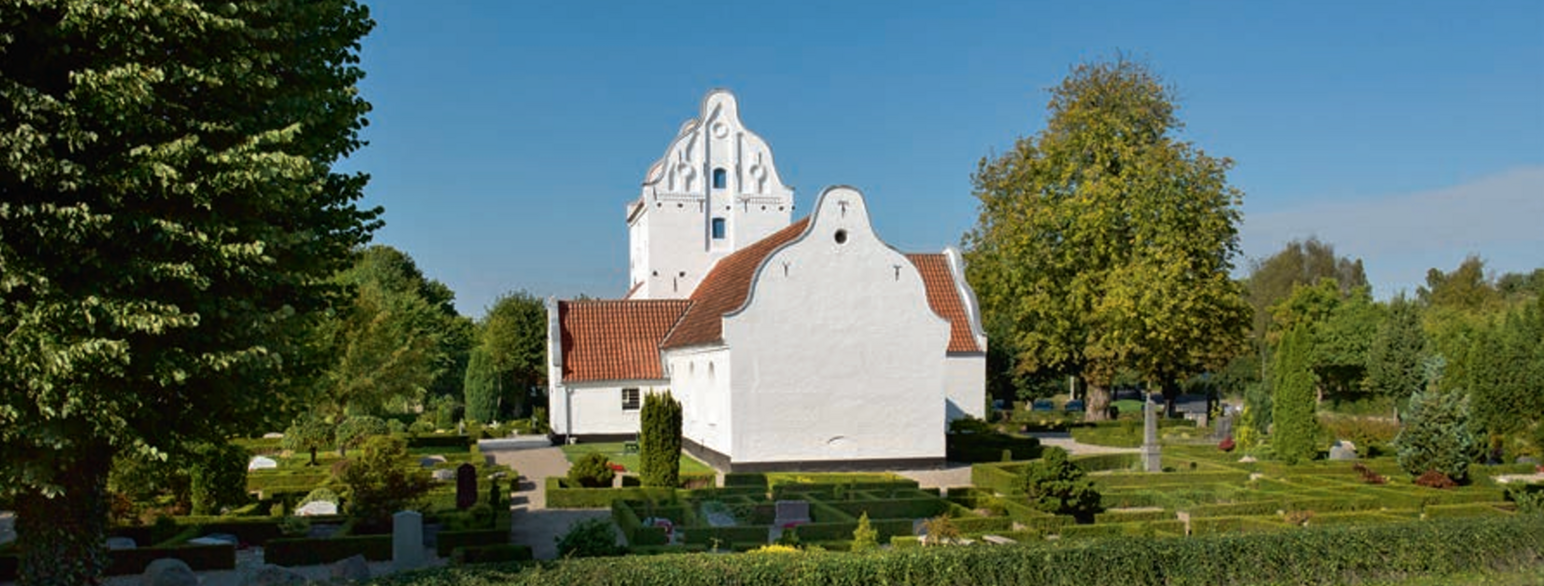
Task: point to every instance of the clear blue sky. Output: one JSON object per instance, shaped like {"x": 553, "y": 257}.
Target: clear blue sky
{"x": 507, "y": 136}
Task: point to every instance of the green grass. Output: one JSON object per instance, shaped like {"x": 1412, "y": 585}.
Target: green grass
{"x": 613, "y": 452}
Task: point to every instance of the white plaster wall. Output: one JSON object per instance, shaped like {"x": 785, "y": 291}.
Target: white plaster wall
{"x": 965, "y": 385}
{"x": 700, "y": 380}
{"x": 837, "y": 355}
{"x": 597, "y": 407}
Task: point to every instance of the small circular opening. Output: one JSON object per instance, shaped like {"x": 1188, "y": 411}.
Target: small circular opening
{"x": 841, "y": 236}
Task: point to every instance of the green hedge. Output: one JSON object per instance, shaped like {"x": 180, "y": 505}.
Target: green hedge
{"x": 726, "y": 535}
{"x": 998, "y": 478}
{"x": 484, "y": 554}
{"x": 1222, "y": 525}
{"x": 453, "y": 441}
{"x": 1305, "y": 556}
{"x": 561, "y": 497}
{"x": 745, "y": 479}
{"x": 915, "y": 508}
{"x": 1496, "y": 509}
{"x": 310, "y": 552}
{"x": 198, "y": 557}
{"x": 1132, "y": 516}
{"x": 975, "y": 525}
{"x": 447, "y": 541}
{"x": 1103, "y": 462}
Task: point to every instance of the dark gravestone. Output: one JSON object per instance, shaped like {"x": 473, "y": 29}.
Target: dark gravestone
{"x": 466, "y": 486}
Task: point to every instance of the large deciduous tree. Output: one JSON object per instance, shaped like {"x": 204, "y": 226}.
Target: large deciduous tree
{"x": 1340, "y": 326}
{"x": 514, "y": 333}
{"x": 170, "y": 220}
{"x": 1105, "y": 242}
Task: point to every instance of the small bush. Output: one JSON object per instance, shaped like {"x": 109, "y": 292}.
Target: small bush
{"x": 592, "y": 470}
{"x": 384, "y": 480}
{"x": 357, "y": 429}
{"x": 1054, "y": 485}
{"x": 940, "y": 530}
{"x": 321, "y": 494}
{"x": 218, "y": 477}
{"x": 589, "y": 538}
{"x": 864, "y": 538}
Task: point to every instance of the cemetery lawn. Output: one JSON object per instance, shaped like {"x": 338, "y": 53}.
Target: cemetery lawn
{"x": 614, "y": 451}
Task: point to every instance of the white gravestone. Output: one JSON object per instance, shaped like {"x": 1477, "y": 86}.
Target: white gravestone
{"x": 262, "y": 463}
{"x": 317, "y": 508}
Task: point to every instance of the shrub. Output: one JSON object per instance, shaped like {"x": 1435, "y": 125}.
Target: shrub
{"x": 218, "y": 478}
{"x": 592, "y": 470}
{"x": 1367, "y": 475}
{"x": 1437, "y": 435}
{"x": 384, "y": 480}
{"x": 1529, "y": 499}
{"x": 1435, "y": 479}
{"x": 864, "y": 538}
{"x": 1054, "y": 485}
{"x": 321, "y": 494}
{"x": 420, "y": 428}
{"x": 1292, "y": 403}
{"x": 355, "y": 430}
{"x": 940, "y": 530}
{"x": 659, "y": 443}
{"x": 589, "y": 538}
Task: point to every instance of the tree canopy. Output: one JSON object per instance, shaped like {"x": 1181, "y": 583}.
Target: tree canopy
{"x": 170, "y": 219}
{"x": 514, "y": 334}
{"x": 1105, "y": 242}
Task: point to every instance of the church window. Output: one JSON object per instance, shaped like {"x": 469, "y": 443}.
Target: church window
{"x": 720, "y": 178}
{"x": 718, "y": 228}
{"x": 630, "y": 399}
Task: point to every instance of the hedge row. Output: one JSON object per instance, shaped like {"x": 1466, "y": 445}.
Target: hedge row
{"x": 134, "y": 561}
{"x": 1307, "y": 556}
{"x": 1000, "y": 478}
{"x": 310, "y": 552}
{"x": 448, "y": 541}
{"x": 559, "y": 496}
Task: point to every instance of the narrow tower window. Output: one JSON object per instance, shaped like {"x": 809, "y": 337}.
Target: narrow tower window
{"x": 720, "y": 178}
{"x": 718, "y": 228}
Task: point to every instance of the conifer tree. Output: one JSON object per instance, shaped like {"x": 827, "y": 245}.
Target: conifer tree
{"x": 1437, "y": 435}
{"x": 659, "y": 442}
{"x": 1292, "y": 403}
{"x": 481, "y": 387}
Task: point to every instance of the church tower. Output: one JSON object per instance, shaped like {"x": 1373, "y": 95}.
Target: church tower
{"x": 715, "y": 191}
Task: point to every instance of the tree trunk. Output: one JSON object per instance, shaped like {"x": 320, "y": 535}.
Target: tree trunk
{"x": 62, "y": 539}
{"x": 313, "y": 456}
{"x": 1097, "y": 407}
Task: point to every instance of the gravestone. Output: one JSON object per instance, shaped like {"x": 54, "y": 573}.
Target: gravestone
{"x": 407, "y": 540}
{"x": 1152, "y": 460}
{"x": 444, "y": 474}
{"x": 353, "y": 569}
{"x": 262, "y": 463}
{"x": 792, "y": 513}
{"x": 466, "y": 486}
{"x": 271, "y": 575}
{"x": 317, "y": 508}
{"x": 1343, "y": 450}
{"x": 431, "y": 461}
{"x": 116, "y": 543}
{"x": 168, "y": 572}
{"x": 273, "y": 435}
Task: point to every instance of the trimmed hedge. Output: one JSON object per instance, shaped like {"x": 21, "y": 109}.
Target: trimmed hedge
{"x": 559, "y": 496}
{"x": 447, "y": 541}
{"x": 998, "y": 478}
{"x": 1304, "y": 556}
{"x": 310, "y": 552}
{"x": 504, "y": 552}
{"x": 453, "y": 441}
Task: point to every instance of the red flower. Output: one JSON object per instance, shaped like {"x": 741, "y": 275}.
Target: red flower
{"x": 1226, "y": 445}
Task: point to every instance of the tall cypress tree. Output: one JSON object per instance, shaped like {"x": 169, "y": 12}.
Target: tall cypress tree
{"x": 481, "y": 387}
{"x": 660, "y": 440}
{"x": 1292, "y": 403}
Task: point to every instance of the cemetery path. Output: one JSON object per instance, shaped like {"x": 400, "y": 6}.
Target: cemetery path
{"x": 1064, "y": 441}
{"x": 533, "y": 524}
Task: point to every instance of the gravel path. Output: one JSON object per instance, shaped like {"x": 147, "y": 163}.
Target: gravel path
{"x": 1064, "y": 441}
{"x": 534, "y": 524}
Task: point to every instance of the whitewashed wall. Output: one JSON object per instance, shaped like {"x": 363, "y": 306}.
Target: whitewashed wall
{"x": 597, "y": 407}
{"x": 700, "y": 379}
{"x": 837, "y": 355}
{"x": 965, "y": 385}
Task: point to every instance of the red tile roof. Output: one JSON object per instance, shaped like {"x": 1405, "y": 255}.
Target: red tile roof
{"x": 616, "y": 340}
{"x": 945, "y": 300}
{"x": 725, "y": 289}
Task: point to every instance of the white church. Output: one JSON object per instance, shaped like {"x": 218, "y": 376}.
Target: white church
{"x": 791, "y": 345}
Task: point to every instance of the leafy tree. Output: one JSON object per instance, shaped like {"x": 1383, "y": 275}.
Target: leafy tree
{"x": 169, "y": 219}
{"x": 383, "y": 480}
{"x": 482, "y": 393}
{"x": 356, "y": 430}
{"x": 592, "y": 470}
{"x": 1295, "y": 428}
{"x": 514, "y": 333}
{"x": 659, "y": 443}
{"x": 308, "y": 433}
{"x": 1104, "y": 242}
{"x": 864, "y": 537}
{"x": 219, "y": 477}
{"x": 1055, "y": 485}
{"x": 1398, "y": 346}
{"x": 1340, "y": 326}
{"x": 1437, "y": 435}
{"x": 401, "y": 336}
{"x": 1466, "y": 287}
{"x": 1300, "y": 263}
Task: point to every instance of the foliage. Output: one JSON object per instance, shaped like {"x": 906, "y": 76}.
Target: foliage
{"x": 218, "y": 478}
{"x": 1503, "y": 370}
{"x": 1394, "y": 358}
{"x": 1340, "y": 327}
{"x": 308, "y": 433}
{"x": 1299, "y": 263}
{"x": 1370, "y": 434}
{"x": 589, "y": 538}
{"x": 1437, "y": 435}
{"x": 1054, "y": 485}
{"x": 169, "y": 219}
{"x": 1367, "y": 475}
{"x": 321, "y": 494}
{"x": 481, "y": 387}
{"x": 659, "y": 443}
{"x": 940, "y": 530}
{"x": 395, "y": 340}
{"x": 355, "y": 430}
{"x": 138, "y": 484}
{"x": 384, "y": 480}
{"x": 1104, "y": 242}
{"x": 514, "y": 334}
{"x": 1295, "y": 427}
{"x": 864, "y": 538}
{"x": 592, "y": 470}
{"x": 1435, "y": 479}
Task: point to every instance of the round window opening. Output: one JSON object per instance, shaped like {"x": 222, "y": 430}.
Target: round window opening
{"x": 841, "y": 236}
